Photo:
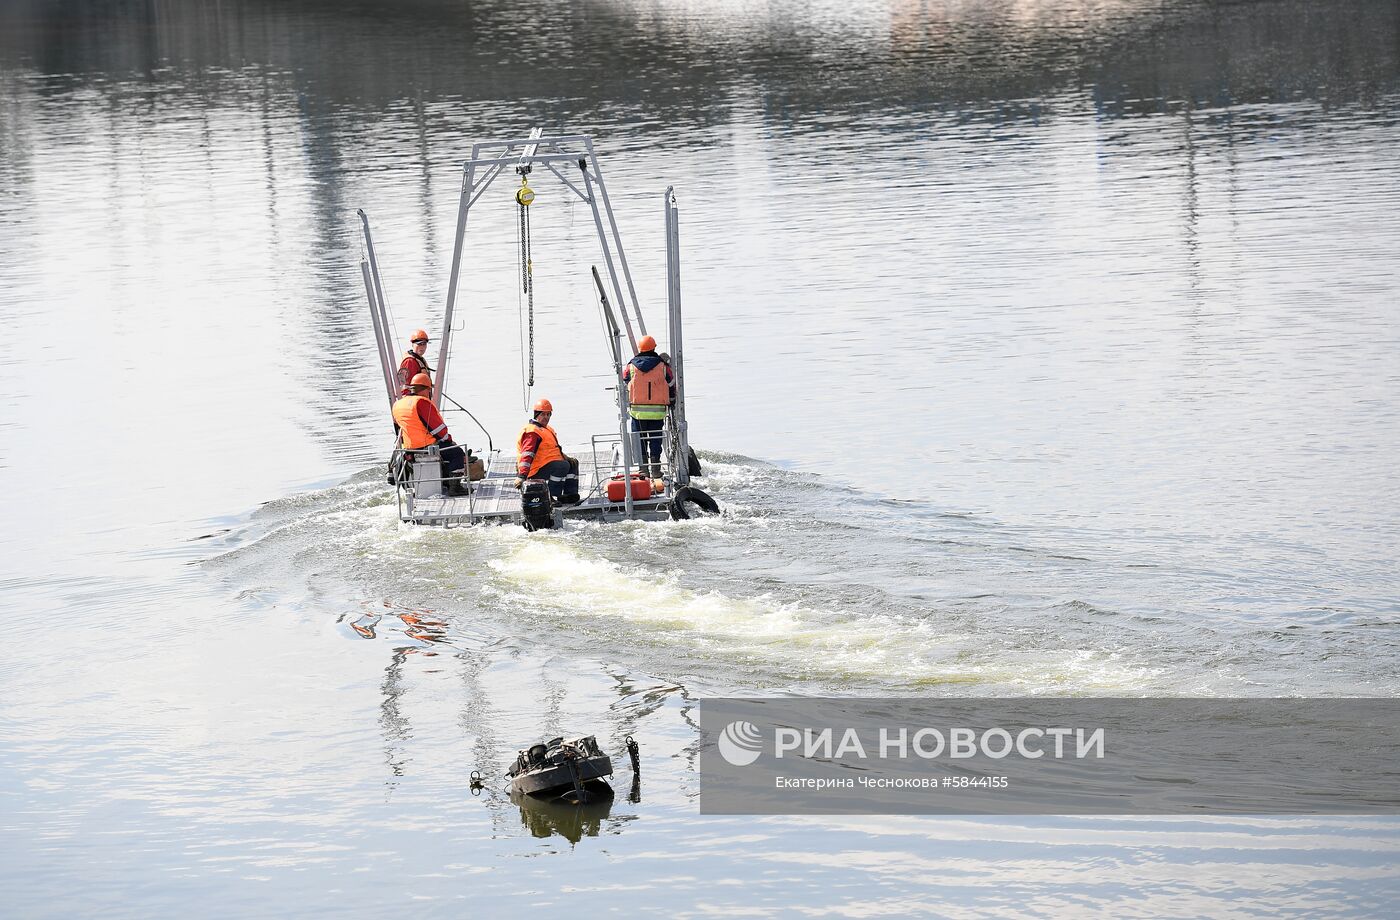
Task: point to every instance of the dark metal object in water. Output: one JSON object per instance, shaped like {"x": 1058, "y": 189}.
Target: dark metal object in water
{"x": 572, "y": 770}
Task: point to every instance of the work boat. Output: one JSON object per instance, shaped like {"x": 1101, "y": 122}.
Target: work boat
{"x": 613, "y": 483}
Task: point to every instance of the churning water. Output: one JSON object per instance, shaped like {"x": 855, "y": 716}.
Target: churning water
{"x": 1034, "y": 348}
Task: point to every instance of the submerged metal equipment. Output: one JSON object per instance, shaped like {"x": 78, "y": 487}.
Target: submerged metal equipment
{"x": 610, "y": 480}
{"x": 574, "y": 770}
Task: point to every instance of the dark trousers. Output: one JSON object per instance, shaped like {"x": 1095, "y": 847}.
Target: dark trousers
{"x": 649, "y": 432}
{"x": 562, "y": 476}
{"x": 454, "y": 460}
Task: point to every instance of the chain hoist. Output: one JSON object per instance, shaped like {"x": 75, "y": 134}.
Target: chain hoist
{"x": 524, "y": 196}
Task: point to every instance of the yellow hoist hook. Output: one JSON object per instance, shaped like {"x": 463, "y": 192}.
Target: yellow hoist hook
{"x": 524, "y": 195}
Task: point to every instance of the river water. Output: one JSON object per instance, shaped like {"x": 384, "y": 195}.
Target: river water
{"x": 1033, "y": 348}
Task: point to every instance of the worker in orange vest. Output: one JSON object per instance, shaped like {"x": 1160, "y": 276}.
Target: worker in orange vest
{"x": 419, "y": 425}
{"x": 414, "y": 362}
{"x": 651, "y": 390}
{"x": 538, "y": 456}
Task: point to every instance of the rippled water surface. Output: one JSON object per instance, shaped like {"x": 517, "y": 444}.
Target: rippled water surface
{"x": 1032, "y": 348}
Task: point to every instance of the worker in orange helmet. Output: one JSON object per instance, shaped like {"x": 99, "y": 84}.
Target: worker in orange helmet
{"x": 413, "y": 362}
{"x": 538, "y": 456}
{"x": 651, "y": 390}
{"x": 419, "y": 424}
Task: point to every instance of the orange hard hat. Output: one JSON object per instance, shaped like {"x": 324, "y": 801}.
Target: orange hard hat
{"x": 646, "y": 344}
{"x": 419, "y": 336}
{"x": 544, "y": 405}
{"x": 421, "y": 380}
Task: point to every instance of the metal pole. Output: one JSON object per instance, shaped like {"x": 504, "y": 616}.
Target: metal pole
{"x": 623, "y": 426}
{"x": 379, "y": 309}
{"x": 528, "y": 154}
{"x": 681, "y": 463}
{"x": 384, "y": 366}
{"x": 615, "y": 342}
{"x": 444, "y": 350}
{"x": 617, "y": 238}
{"x": 607, "y": 252}
{"x": 378, "y": 288}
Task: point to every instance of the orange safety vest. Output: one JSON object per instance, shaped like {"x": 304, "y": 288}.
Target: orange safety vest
{"x": 648, "y": 392}
{"x": 413, "y": 434}
{"x": 547, "y": 452}
{"x": 648, "y": 388}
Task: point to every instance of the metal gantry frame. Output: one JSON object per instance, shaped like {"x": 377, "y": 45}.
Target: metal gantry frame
{"x": 560, "y": 155}
{"x": 572, "y": 151}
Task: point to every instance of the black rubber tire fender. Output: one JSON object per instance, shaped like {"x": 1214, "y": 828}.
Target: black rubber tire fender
{"x": 692, "y": 463}
{"x": 693, "y": 496}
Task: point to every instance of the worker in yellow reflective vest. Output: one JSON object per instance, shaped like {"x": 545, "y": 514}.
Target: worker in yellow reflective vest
{"x": 538, "y": 456}
{"x": 651, "y": 390}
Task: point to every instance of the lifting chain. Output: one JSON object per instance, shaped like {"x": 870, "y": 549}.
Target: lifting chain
{"x": 523, "y": 197}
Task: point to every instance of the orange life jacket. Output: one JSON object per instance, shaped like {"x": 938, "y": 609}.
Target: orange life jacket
{"x": 547, "y": 452}
{"x": 413, "y": 434}
{"x": 648, "y": 389}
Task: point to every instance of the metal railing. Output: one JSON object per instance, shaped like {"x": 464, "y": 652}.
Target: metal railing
{"x": 610, "y": 446}
{"x": 401, "y": 465}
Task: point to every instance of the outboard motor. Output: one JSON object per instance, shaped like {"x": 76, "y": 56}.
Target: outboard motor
{"x": 536, "y": 505}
